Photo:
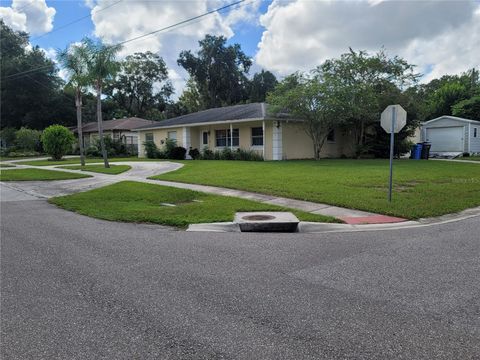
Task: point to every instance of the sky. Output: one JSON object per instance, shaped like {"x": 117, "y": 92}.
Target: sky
{"x": 440, "y": 37}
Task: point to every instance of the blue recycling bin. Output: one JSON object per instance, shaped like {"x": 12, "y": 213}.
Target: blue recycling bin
{"x": 413, "y": 149}
{"x": 418, "y": 151}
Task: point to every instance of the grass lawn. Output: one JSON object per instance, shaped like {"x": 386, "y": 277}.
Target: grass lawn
{"x": 113, "y": 169}
{"x": 139, "y": 202}
{"x": 421, "y": 188}
{"x": 75, "y": 161}
{"x": 473, "y": 158}
{"x": 37, "y": 174}
{"x": 6, "y": 165}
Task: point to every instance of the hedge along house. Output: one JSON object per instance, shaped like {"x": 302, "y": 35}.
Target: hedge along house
{"x": 450, "y": 134}
{"x": 117, "y": 129}
{"x": 247, "y": 127}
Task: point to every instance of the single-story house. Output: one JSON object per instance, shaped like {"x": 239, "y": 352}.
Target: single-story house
{"x": 451, "y": 134}
{"x": 247, "y": 126}
{"x": 118, "y": 129}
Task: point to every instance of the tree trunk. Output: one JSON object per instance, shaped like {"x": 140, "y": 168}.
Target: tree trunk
{"x": 78, "y": 104}
{"x": 100, "y": 125}
{"x": 362, "y": 133}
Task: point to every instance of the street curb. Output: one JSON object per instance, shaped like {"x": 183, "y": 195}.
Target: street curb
{"x": 317, "y": 228}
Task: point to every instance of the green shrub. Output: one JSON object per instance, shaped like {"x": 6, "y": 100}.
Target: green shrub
{"x": 194, "y": 153}
{"x": 178, "y": 153}
{"x": 92, "y": 151}
{"x": 151, "y": 149}
{"x": 27, "y": 139}
{"x": 57, "y": 140}
{"x": 228, "y": 154}
{"x": 248, "y": 155}
{"x": 20, "y": 154}
{"x": 207, "y": 154}
{"x": 170, "y": 144}
{"x": 7, "y": 137}
{"x": 114, "y": 147}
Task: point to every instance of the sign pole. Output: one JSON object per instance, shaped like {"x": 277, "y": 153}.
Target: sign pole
{"x": 392, "y": 143}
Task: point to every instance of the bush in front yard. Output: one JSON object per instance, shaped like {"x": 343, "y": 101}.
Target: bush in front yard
{"x": 194, "y": 153}
{"x": 27, "y": 139}
{"x": 178, "y": 153}
{"x": 228, "y": 154}
{"x": 57, "y": 140}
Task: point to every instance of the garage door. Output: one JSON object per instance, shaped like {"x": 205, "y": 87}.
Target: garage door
{"x": 446, "y": 139}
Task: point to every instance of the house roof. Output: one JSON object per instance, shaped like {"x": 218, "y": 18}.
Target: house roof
{"x": 244, "y": 112}
{"x": 449, "y": 117}
{"x": 117, "y": 124}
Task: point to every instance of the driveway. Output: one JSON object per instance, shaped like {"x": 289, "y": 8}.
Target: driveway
{"x": 45, "y": 189}
{"x": 74, "y": 287}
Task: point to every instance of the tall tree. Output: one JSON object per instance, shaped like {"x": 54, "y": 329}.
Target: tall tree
{"x": 31, "y": 91}
{"x": 102, "y": 66}
{"x": 313, "y": 99}
{"x": 219, "y": 71}
{"x": 141, "y": 85}
{"x": 191, "y": 100}
{"x": 469, "y": 109}
{"x": 74, "y": 59}
{"x": 262, "y": 83}
{"x": 362, "y": 79}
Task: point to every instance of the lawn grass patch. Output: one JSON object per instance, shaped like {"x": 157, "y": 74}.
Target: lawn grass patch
{"x": 38, "y": 175}
{"x": 6, "y": 165}
{"x": 112, "y": 170}
{"x": 132, "y": 201}
{"x": 473, "y": 158}
{"x": 421, "y": 188}
{"x": 75, "y": 161}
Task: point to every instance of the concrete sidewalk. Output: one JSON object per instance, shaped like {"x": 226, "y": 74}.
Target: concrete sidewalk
{"x": 458, "y": 161}
{"x": 349, "y": 216}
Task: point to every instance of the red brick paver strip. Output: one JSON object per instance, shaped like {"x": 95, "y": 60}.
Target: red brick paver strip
{"x": 374, "y": 219}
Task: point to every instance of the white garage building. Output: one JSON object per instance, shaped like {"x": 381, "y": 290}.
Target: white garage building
{"x": 450, "y": 134}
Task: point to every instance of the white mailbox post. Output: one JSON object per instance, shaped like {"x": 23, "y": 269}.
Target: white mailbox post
{"x": 393, "y": 119}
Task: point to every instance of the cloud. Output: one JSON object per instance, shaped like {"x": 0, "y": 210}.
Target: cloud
{"x": 443, "y": 36}
{"x": 33, "y": 16}
{"x": 135, "y": 18}
{"x": 17, "y": 21}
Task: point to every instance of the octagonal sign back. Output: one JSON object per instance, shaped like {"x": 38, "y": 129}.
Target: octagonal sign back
{"x": 400, "y": 120}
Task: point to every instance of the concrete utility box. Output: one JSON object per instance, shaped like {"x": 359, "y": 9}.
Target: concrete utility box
{"x": 266, "y": 221}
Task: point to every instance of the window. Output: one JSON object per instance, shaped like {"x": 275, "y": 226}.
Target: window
{"x": 257, "y": 136}
{"x": 149, "y": 137}
{"x": 331, "y": 136}
{"x": 205, "y": 138}
{"x": 222, "y": 138}
{"x": 172, "y": 135}
{"x": 474, "y": 132}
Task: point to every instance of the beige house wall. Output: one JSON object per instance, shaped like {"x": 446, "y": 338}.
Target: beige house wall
{"x": 159, "y": 137}
{"x": 245, "y": 136}
{"x": 295, "y": 141}
{"x": 89, "y": 138}
{"x": 298, "y": 145}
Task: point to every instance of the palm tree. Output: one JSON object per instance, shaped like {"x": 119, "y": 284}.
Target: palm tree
{"x": 73, "y": 59}
{"x": 101, "y": 67}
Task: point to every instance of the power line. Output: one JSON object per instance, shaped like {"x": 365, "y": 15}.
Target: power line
{"x": 76, "y": 20}
{"x": 25, "y": 6}
{"x": 16, "y": 75}
{"x": 24, "y": 73}
{"x": 45, "y": 86}
{"x": 182, "y": 22}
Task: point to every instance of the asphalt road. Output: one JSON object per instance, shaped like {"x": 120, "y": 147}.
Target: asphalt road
{"x": 73, "y": 287}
